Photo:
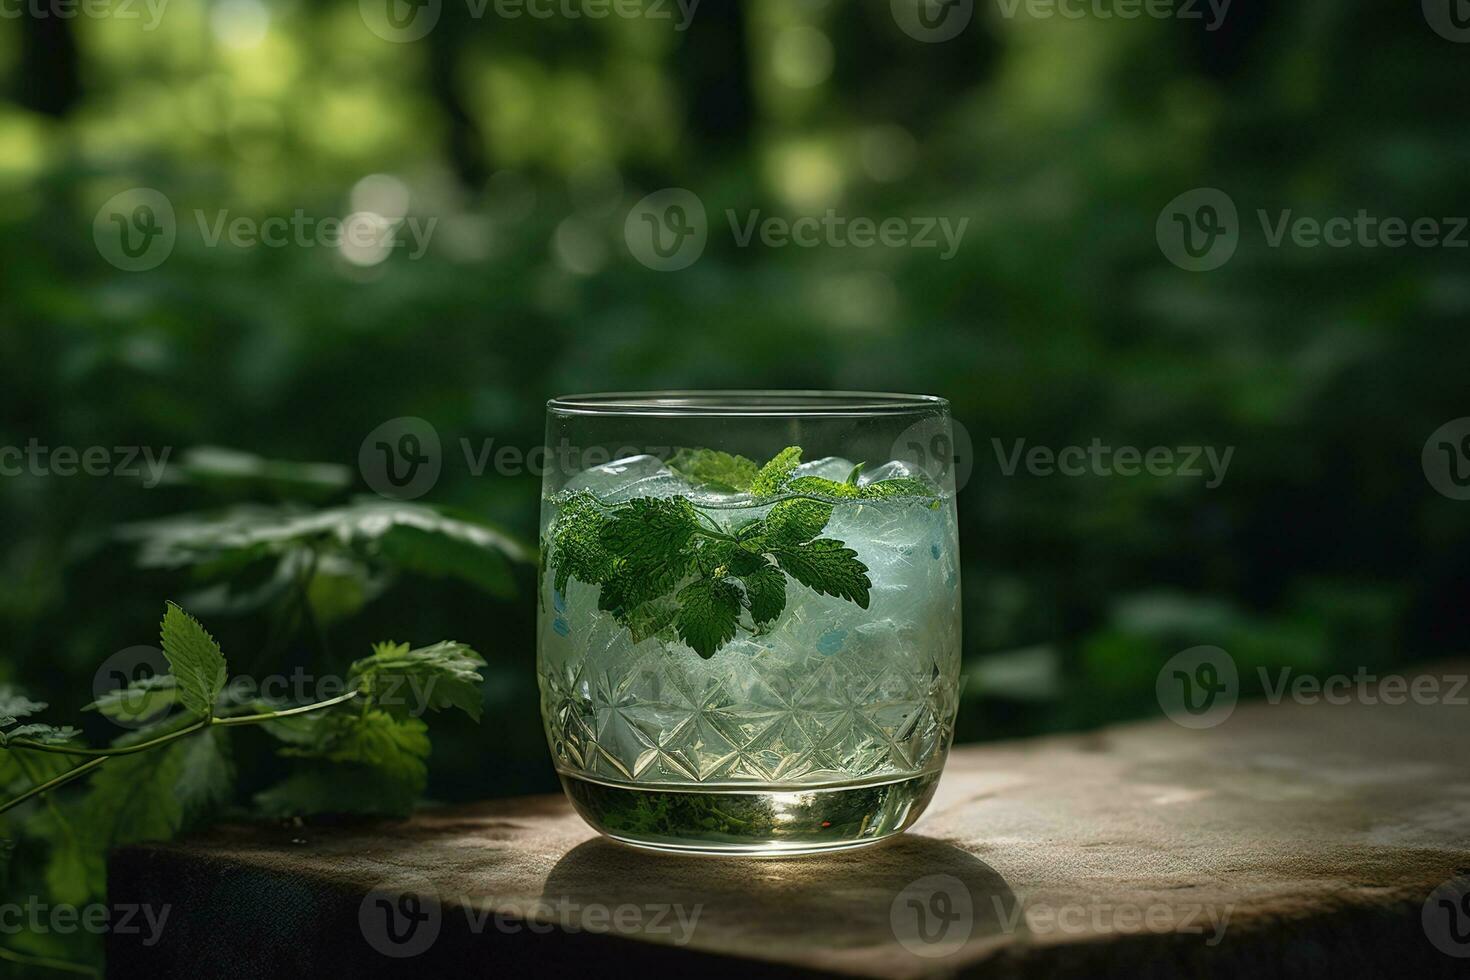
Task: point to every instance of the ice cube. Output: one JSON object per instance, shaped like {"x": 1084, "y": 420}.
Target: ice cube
{"x": 894, "y": 470}
{"x": 829, "y": 468}
{"x": 623, "y": 479}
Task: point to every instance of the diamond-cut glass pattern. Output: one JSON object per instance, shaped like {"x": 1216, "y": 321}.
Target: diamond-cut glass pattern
{"x": 831, "y": 693}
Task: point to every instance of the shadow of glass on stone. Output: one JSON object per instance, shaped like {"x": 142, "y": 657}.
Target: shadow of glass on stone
{"x": 911, "y": 893}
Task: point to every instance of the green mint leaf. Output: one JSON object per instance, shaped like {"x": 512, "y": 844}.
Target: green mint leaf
{"x": 140, "y": 700}
{"x": 406, "y": 682}
{"x": 709, "y": 610}
{"x": 195, "y": 659}
{"x": 714, "y": 470}
{"x": 632, "y": 583}
{"x": 775, "y": 474}
{"x": 576, "y": 542}
{"x": 765, "y": 593}
{"x": 828, "y": 567}
{"x": 650, "y": 530}
{"x": 857, "y": 471}
{"x": 796, "y": 521}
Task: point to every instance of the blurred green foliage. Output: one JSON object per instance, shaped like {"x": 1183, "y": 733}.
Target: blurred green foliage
{"x": 1059, "y": 321}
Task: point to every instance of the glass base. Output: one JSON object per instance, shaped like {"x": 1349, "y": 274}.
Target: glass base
{"x": 751, "y": 822}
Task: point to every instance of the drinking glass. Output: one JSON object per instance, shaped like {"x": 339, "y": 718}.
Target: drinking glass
{"x": 749, "y": 632}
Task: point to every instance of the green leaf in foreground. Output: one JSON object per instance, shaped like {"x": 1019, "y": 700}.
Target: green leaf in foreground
{"x": 774, "y": 475}
{"x": 650, "y": 530}
{"x": 714, "y": 470}
{"x": 795, "y": 521}
{"x": 765, "y": 593}
{"x": 195, "y": 660}
{"x": 708, "y": 613}
{"x": 829, "y": 567}
{"x": 406, "y": 682}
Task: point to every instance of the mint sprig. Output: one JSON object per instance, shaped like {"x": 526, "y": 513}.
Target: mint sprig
{"x": 665, "y": 568}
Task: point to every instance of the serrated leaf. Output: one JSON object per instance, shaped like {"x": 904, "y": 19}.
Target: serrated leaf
{"x": 775, "y": 474}
{"x": 195, "y": 660}
{"x": 395, "y": 749}
{"x": 650, "y": 530}
{"x": 140, "y": 700}
{"x": 829, "y": 567}
{"x": 714, "y": 470}
{"x": 575, "y": 543}
{"x": 765, "y": 594}
{"x": 406, "y": 682}
{"x": 796, "y": 521}
{"x": 709, "y": 610}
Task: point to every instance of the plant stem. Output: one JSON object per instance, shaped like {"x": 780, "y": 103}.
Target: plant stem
{"x": 102, "y": 755}
{"x": 285, "y": 712}
{"x": 53, "y": 782}
{"x": 21, "y": 743}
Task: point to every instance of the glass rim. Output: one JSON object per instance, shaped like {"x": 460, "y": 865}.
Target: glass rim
{"x": 724, "y": 403}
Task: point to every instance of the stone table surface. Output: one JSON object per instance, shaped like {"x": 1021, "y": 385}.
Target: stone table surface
{"x": 1292, "y": 839}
